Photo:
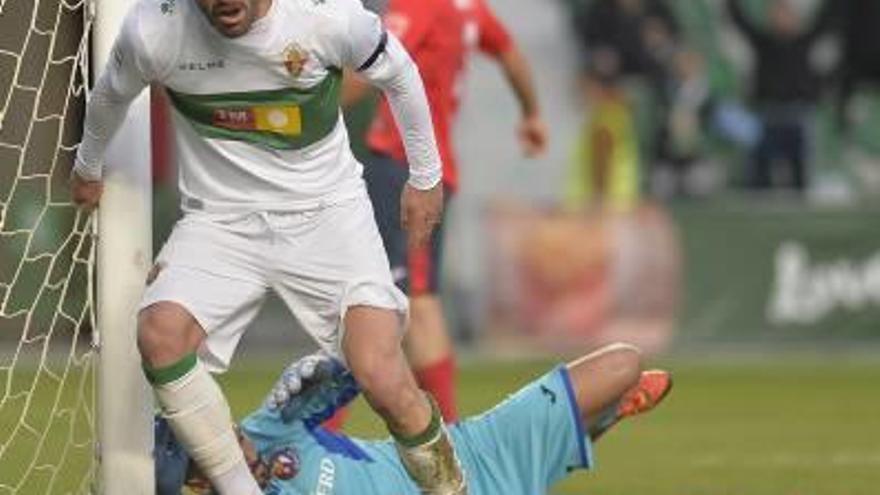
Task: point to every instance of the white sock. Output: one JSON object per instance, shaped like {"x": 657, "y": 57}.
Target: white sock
{"x": 199, "y": 415}
{"x": 238, "y": 480}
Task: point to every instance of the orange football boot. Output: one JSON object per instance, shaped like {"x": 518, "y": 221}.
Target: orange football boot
{"x": 653, "y": 386}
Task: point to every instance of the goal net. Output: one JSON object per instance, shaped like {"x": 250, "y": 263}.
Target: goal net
{"x": 47, "y": 343}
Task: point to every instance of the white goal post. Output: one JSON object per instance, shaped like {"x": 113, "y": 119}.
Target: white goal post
{"x": 125, "y": 405}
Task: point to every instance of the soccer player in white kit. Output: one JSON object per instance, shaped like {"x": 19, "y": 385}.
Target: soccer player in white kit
{"x": 273, "y": 199}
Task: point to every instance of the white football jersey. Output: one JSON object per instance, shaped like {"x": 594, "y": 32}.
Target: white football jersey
{"x": 256, "y": 118}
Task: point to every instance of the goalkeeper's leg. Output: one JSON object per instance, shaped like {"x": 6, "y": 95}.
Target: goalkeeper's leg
{"x": 610, "y": 385}
{"x": 168, "y": 337}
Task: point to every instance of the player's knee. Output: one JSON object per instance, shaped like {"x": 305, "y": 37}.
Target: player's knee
{"x": 626, "y": 361}
{"x": 166, "y": 334}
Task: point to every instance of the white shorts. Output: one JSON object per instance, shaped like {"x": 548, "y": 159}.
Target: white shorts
{"x": 320, "y": 262}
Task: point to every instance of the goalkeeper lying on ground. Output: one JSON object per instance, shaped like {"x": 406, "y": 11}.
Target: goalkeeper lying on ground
{"x": 521, "y": 447}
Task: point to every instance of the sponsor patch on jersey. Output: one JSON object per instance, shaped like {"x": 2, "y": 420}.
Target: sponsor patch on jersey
{"x": 284, "y": 464}
{"x": 281, "y": 119}
{"x": 295, "y": 59}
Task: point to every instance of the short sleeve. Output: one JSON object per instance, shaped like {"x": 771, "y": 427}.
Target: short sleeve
{"x": 494, "y": 38}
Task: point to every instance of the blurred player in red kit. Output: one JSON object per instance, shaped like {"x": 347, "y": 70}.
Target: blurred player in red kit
{"x": 440, "y": 36}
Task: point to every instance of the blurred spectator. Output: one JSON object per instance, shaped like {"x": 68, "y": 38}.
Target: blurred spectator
{"x": 859, "y": 22}
{"x": 786, "y": 88}
{"x": 643, "y": 37}
{"x": 639, "y": 31}
{"x": 681, "y": 135}
{"x": 606, "y": 169}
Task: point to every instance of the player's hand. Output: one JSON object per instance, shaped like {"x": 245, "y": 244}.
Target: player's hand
{"x": 85, "y": 193}
{"x": 532, "y": 134}
{"x": 420, "y": 213}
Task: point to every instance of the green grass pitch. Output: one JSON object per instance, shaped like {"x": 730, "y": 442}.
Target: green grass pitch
{"x": 797, "y": 426}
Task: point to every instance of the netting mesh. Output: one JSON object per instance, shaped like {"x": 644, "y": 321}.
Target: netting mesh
{"x": 47, "y": 356}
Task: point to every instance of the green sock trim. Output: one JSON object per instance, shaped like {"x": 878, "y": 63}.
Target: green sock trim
{"x": 426, "y": 436}
{"x": 168, "y": 374}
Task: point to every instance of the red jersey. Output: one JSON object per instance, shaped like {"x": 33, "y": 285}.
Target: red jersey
{"x": 439, "y": 35}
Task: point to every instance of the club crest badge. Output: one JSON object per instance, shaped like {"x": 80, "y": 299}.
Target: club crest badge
{"x": 295, "y": 59}
{"x": 284, "y": 464}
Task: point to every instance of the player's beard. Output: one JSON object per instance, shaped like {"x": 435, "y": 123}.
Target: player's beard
{"x": 232, "y": 18}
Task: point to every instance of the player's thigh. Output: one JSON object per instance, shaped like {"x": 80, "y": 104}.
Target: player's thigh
{"x": 214, "y": 275}
{"x": 337, "y": 263}
{"x": 530, "y": 441}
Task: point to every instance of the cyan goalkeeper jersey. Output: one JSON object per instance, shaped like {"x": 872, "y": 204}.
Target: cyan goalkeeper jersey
{"x": 521, "y": 447}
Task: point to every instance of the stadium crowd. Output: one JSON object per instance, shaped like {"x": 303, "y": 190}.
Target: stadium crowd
{"x": 668, "y": 89}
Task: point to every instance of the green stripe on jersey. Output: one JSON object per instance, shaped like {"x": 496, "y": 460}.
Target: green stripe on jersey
{"x": 285, "y": 119}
